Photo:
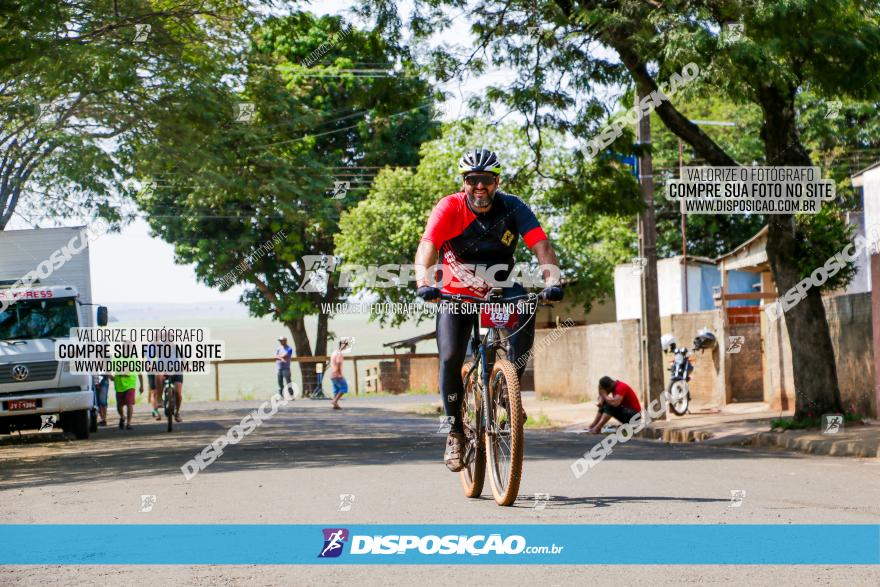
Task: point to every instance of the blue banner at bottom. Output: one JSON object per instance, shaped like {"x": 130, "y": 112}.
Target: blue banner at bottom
{"x": 228, "y": 544}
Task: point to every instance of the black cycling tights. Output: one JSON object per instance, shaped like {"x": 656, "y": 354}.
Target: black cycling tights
{"x": 453, "y": 333}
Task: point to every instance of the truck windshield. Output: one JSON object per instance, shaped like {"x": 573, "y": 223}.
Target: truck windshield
{"x": 29, "y": 319}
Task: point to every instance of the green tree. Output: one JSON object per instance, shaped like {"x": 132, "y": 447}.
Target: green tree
{"x": 79, "y": 78}
{"x": 830, "y": 48}
{"x": 226, "y": 183}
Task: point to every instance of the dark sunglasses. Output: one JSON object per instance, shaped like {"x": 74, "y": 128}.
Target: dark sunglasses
{"x": 485, "y": 179}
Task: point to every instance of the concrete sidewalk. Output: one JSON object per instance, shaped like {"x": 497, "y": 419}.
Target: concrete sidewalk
{"x": 747, "y": 424}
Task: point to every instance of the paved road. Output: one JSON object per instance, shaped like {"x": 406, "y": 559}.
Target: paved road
{"x": 294, "y": 467}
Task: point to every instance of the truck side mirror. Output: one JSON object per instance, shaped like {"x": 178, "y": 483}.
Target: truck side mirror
{"x": 102, "y": 315}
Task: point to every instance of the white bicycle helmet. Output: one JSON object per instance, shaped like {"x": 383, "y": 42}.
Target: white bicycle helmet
{"x": 479, "y": 160}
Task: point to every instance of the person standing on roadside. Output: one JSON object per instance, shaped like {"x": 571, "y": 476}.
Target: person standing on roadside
{"x": 283, "y": 356}
{"x": 340, "y": 386}
{"x": 124, "y": 383}
{"x": 102, "y": 391}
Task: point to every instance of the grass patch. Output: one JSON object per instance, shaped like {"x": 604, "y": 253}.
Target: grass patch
{"x": 421, "y": 391}
{"x": 809, "y": 423}
{"x": 427, "y": 410}
{"x": 539, "y": 421}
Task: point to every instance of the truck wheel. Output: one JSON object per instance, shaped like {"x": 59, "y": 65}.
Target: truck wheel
{"x": 76, "y": 423}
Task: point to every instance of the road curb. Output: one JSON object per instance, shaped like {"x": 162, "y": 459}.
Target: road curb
{"x": 675, "y": 435}
{"x": 852, "y": 447}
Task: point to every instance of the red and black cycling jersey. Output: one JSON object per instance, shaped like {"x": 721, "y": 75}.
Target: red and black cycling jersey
{"x": 472, "y": 245}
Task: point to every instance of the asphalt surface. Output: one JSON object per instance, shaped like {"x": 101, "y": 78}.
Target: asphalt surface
{"x": 293, "y": 469}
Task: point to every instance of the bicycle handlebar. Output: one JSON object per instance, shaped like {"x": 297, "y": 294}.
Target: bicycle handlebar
{"x": 463, "y": 298}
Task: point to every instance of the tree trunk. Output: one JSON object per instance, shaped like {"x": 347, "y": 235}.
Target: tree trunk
{"x": 815, "y": 371}
{"x": 303, "y": 348}
{"x": 812, "y": 354}
{"x": 652, "y": 352}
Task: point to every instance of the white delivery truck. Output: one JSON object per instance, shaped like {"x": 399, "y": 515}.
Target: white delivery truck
{"x": 45, "y": 290}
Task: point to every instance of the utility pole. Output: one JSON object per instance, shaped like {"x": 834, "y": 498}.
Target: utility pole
{"x": 649, "y": 325}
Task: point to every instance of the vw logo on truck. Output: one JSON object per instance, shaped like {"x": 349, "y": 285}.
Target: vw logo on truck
{"x": 20, "y": 372}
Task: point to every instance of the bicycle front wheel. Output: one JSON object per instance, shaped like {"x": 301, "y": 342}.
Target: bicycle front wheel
{"x": 504, "y": 439}
{"x": 473, "y": 474}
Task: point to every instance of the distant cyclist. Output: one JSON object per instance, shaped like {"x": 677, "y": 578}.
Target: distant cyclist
{"x": 478, "y": 226}
{"x": 176, "y": 379}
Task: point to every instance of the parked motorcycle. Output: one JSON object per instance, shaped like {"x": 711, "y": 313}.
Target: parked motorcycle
{"x": 678, "y": 394}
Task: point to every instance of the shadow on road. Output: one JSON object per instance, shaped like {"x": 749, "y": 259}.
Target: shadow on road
{"x": 293, "y": 438}
{"x": 560, "y": 501}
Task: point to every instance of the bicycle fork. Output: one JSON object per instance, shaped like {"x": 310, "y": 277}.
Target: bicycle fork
{"x": 487, "y": 361}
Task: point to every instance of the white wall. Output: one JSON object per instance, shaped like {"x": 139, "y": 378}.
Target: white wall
{"x": 871, "y": 205}
{"x": 670, "y": 283}
{"x": 694, "y": 286}
{"x": 627, "y": 293}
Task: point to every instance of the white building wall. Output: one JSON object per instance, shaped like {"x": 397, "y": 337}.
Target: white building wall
{"x": 627, "y": 293}
{"x": 670, "y": 282}
{"x": 871, "y": 205}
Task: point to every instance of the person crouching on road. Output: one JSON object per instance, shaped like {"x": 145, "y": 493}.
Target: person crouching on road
{"x": 616, "y": 400}
{"x": 340, "y": 386}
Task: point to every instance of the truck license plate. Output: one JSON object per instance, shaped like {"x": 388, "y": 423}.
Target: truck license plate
{"x": 22, "y": 404}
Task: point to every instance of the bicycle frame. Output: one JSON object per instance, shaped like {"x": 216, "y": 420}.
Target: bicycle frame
{"x": 484, "y": 350}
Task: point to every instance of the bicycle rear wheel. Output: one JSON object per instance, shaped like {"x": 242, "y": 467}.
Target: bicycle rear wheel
{"x": 473, "y": 475}
{"x": 504, "y": 443}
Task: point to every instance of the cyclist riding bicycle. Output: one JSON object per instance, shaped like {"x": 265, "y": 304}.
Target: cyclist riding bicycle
{"x": 158, "y": 380}
{"x": 478, "y": 227}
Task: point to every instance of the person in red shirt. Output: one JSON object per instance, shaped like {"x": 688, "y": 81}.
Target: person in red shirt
{"x": 616, "y": 400}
